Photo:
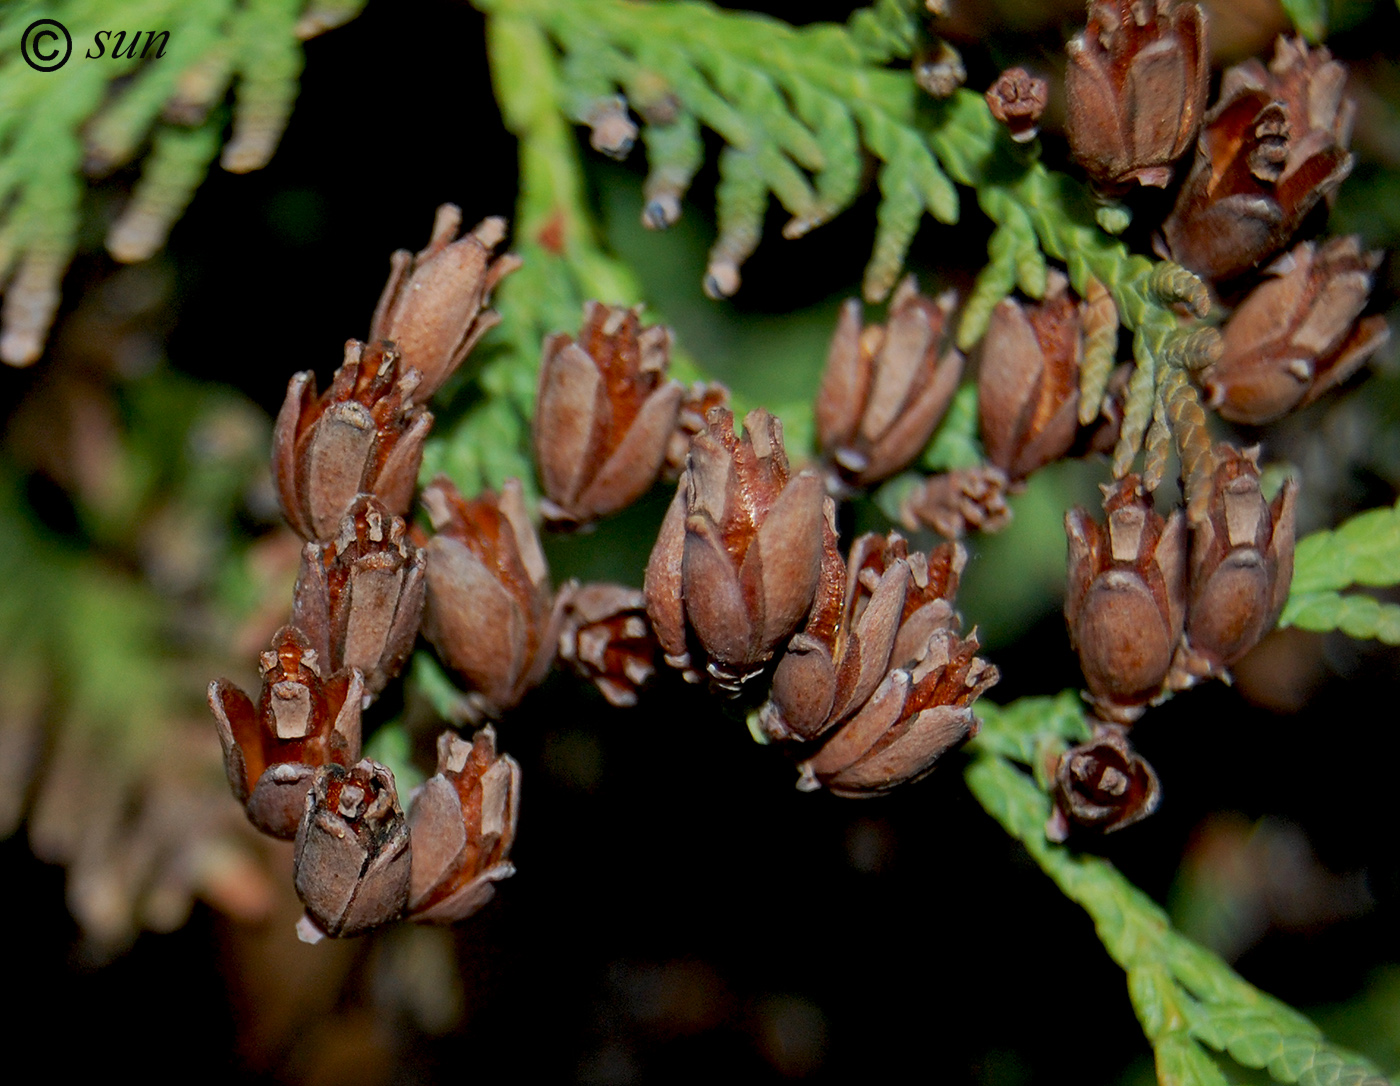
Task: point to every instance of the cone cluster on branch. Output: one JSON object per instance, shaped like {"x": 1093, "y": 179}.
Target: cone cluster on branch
{"x": 346, "y": 464}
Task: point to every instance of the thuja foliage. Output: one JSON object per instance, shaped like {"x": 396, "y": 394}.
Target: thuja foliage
{"x": 157, "y": 101}
{"x": 795, "y": 109}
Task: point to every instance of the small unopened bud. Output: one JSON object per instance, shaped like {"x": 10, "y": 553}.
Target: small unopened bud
{"x": 1017, "y": 99}
{"x": 607, "y": 639}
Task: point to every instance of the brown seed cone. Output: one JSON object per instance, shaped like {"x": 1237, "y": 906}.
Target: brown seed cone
{"x": 914, "y": 716}
{"x": 1017, "y": 99}
{"x": 299, "y": 722}
{"x": 1241, "y": 569}
{"x": 1135, "y": 89}
{"x": 1297, "y": 335}
{"x": 490, "y": 612}
{"x": 605, "y": 414}
{"x": 1102, "y": 785}
{"x": 886, "y": 387}
{"x": 359, "y": 598}
{"x": 1272, "y": 147}
{"x": 1028, "y": 381}
{"x": 363, "y": 435}
{"x": 353, "y": 856}
{"x": 606, "y": 638}
{"x": 696, "y": 404}
{"x": 872, "y": 613}
{"x": 1125, "y": 603}
{"x": 462, "y": 823}
{"x": 958, "y": 502}
{"x": 433, "y": 307}
{"x": 737, "y": 561}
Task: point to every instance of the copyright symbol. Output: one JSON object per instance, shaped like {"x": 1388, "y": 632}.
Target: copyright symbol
{"x": 39, "y": 45}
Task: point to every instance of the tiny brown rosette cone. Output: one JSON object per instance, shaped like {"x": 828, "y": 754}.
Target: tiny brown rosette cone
{"x": 1241, "y": 568}
{"x": 299, "y": 722}
{"x": 1125, "y": 603}
{"x": 916, "y": 715}
{"x": 1297, "y": 334}
{"x": 1028, "y": 381}
{"x": 958, "y": 502}
{"x": 359, "y": 598}
{"x": 490, "y": 612}
{"x": 736, "y": 564}
{"x": 1102, "y": 785}
{"x": 1135, "y": 90}
{"x": 433, "y": 307}
{"x": 463, "y": 823}
{"x": 353, "y": 856}
{"x": 605, "y": 414}
{"x": 886, "y": 387}
{"x": 1017, "y": 99}
{"x": 1272, "y": 147}
{"x": 607, "y": 639}
{"x": 363, "y": 435}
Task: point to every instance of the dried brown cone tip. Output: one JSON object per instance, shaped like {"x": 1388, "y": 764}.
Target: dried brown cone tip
{"x": 939, "y": 69}
{"x": 299, "y": 722}
{"x": 1136, "y": 90}
{"x": 1272, "y": 147}
{"x": 916, "y": 714}
{"x": 1028, "y": 381}
{"x": 1241, "y": 568}
{"x": 433, "y": 307}
{"x": 1017, "y": 99}
{"x": 605, "y": 414}
{"x": 696, "y": 404}
{"x": 1125, "y": 603}
{"x": 353, "y": 855}
{"x": 886, "y": 387}
{"x": 359, "y": 598}
{"x": 363, "y": 435}
{"x": 606, "y": 638}
{"x": 462, "y": 823}
{"x": 1102, "y": 785}
{"x": 875, "y": 611}
{"x": 958, "y": 502}
{"x": 736, "y": 564}
{"x": 490, "y": 611}
{"x": 1297, "y": 335}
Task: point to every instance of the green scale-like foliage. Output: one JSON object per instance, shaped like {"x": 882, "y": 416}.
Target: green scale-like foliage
{"x": 798, "y": 109}
{"x": 1364, "y": 550}
{"x": 1185, "y": 997}
{"x": 98, "y": 114}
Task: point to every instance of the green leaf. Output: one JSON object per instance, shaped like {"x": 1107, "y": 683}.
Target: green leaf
{"x": 1362, "y": 550}
{"x": 955, "y": 444}
{"x": 1309, "y": 16}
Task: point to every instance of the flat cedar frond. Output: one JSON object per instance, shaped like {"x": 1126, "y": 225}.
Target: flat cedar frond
{"x": 1364, "y": 550}
{"x": 1185, "y": 997}
{"x": 57, "y": 129}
